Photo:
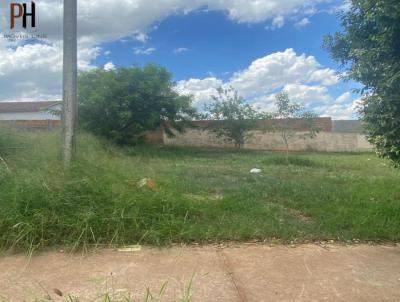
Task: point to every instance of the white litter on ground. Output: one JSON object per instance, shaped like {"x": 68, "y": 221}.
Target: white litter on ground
{"x": 130, "y": 248}
{"x": 255, "y": 171}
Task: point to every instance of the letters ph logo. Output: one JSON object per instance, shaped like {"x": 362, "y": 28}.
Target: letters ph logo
{"x": 18, "y": 10}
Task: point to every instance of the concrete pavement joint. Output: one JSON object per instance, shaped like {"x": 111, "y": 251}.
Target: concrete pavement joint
{"x": 237, "y": 273}
{"x": 228, "y": 269}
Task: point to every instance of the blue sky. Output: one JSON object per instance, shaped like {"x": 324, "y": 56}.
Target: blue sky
{"x": 216, "y": 44}
{"x": 258, "y": 47}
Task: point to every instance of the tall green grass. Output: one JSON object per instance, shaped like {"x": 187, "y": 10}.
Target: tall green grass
{"x": 199, "y": 196}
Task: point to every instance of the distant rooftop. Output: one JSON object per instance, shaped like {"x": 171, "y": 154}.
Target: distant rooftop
{"x": 12, "y": 107}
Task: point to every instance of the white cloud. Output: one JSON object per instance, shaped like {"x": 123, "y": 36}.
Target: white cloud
{"x": 302, "y": 23}
{"x": 109, "y": 66}
{"x": 202, "y": 90}
{"x": 308, "y": 95}
{"x": 108, "y": 20}
{"x": 327, "y": 76}
{"x": 141, "y": 37}
{"x": 274, "y": 71}
{"x": 344, "y": 98}
{"x": 306, "y": 81}
{"x": 339, "y": 111}
{"x": 277, "y": 22}
{"x": 344, "y": 7}
{"x": 315, "y": 98}
{"x": 256, "y": 10}
{"x": 342, "y": 108}
{"x": 265, "y": 103}
{"x": 36, "y": 69}
{"x": 180, "y": 50}
{"x": 144, "y": 51}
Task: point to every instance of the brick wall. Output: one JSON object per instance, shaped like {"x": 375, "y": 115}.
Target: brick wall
{"x": 348, "y": 126}
{"x": 38, "y": 124}
{"x": 155, "y": 136}
{"x": 325, "y": 141}
{"x": 261, "y": 140}
{"x": 323, "y": 123}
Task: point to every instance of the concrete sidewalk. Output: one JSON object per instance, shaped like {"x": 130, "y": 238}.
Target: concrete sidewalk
{"x": 237, "y": 273}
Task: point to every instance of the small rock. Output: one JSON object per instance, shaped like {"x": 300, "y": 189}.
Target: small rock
{"x": 255, "y": 171}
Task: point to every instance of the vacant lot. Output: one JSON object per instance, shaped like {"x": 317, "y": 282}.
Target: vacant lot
{"x": 190, "y": 195}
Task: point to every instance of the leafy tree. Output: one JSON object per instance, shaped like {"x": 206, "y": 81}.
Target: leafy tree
{"x": 123, "y": 104}
{"x": 369, "y": 51}
{"x": 290, "y": 116}
{"x": 231, "y": 118}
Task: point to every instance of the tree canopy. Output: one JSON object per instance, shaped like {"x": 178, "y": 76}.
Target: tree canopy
{"x": 231, "y": 118}
{"x": 287, "y": 114}
{"x": 369, "y": 50}
{"x": 123, "y": 104}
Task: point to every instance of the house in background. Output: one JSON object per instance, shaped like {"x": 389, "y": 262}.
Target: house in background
{"x": 30, "y": 114}
{"x": 29, "y": 111}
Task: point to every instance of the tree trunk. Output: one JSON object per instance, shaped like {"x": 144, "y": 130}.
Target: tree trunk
{"x": 287, "y": 151}
{"x": 285, "y": 140}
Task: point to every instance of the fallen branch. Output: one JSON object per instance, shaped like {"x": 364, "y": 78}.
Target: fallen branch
{"x": 5, "y": 164}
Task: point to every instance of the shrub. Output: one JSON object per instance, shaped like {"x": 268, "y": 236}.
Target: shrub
{"x": 123, "y": 104}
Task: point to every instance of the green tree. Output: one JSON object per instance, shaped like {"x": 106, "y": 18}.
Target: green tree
{"x": 123, "y": 104}
{"x": 231, "y": 118}
{"x": 290, "y": 116}
{"x": 369, "y": 50}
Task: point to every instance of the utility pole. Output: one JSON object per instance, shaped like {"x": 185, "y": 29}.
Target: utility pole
{"x": 70, "y": 73}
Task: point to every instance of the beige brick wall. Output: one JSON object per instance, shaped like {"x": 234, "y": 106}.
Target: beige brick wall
{"x": 325, "y": 141}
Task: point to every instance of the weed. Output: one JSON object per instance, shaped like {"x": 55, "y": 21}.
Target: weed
{"x": 202, "y": 196}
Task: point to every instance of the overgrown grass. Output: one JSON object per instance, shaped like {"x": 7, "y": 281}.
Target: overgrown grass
{"x": 198, "y": 196}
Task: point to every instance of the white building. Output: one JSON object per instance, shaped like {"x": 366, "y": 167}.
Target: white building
{"x": 30, "y": 111}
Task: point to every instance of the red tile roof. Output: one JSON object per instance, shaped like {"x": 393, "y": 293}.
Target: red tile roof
{"x": 11, "y": 107}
